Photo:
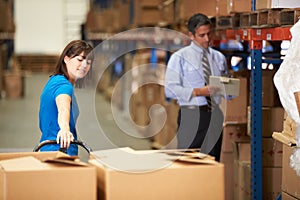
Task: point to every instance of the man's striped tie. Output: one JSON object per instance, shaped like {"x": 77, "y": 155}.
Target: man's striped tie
{"x": 207, "y": 73}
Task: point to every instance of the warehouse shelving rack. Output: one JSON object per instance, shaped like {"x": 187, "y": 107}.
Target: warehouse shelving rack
{"x": 255, "y": 37}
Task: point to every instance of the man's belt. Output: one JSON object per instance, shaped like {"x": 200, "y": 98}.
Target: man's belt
{"x": 202, "y": 108}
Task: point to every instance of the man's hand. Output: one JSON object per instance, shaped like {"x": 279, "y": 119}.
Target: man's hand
{"x": 206, "y": 91}
{"x": 212, "y": 90}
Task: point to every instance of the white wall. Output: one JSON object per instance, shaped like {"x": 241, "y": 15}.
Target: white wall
{"x": 43, "y": 26}
{"x": 285, "y": 3}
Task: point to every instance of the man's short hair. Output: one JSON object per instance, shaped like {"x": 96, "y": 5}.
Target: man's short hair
{"x": 196, "y": 21}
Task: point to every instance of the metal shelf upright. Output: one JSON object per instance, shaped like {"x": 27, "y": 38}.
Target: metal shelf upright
{"x": 256, "y": 119}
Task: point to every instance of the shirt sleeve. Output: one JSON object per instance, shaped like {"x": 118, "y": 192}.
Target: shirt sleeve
{"x": 64, "y": 88}
{"x": 173, "y": 80}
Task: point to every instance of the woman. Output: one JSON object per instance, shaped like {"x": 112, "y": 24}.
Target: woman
{"x": 58, "y": 107}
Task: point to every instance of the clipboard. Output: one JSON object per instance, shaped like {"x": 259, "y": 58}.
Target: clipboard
{"x": 228, "y": 86}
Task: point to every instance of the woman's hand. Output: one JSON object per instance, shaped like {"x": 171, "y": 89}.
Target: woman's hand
{"x": 64, "y": 137}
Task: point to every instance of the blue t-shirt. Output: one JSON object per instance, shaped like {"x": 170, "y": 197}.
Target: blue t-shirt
{"x": 48, "y": 113}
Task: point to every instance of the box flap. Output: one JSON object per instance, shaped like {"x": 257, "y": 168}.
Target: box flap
{"x": 27, "y": 163}
{"x": 65, "y": 159}
{"x": 38, "y": 155}
{"x": 284, "y": 139}
{"x": 197, "y": 160}
{"x": 133, "y": 161}
{"x": 126, "y": 159}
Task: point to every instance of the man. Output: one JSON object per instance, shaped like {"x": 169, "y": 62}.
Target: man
{"x": 200, "y": 119}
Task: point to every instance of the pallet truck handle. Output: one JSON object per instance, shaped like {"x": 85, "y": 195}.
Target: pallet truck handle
{"x": 77, "y": 142}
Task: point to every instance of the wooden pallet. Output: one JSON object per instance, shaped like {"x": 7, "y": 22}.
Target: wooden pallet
{"x": 37, "y": 63}
{"x": 261, "y": 18}
{"x": 229, "y": 21}
{"x": 289, "y": 16}
{"x": 245, "y": 20}
{"x": 265, "y": 18}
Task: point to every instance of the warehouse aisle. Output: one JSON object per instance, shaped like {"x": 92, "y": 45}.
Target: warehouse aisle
{"x": 19, "y": 121}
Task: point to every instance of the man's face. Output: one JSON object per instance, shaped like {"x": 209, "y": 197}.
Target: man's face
{"x": 202, "y": 36}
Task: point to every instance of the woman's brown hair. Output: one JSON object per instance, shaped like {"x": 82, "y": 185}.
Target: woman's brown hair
{"x": 74, "y": 48}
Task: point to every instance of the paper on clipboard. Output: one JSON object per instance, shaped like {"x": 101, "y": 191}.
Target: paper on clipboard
{"x": 228, "y": 86}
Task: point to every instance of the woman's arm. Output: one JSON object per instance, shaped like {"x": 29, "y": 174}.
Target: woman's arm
{"x": 64, "y": 136}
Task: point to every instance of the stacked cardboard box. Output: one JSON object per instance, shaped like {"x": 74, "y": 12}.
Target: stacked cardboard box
{"x": 6, "y": 16}
{"x": 27, "y": 176}
{"x": 290, "y": 180}
{"x": 272, "y": 118}
{"x": 215, "y": 8}
{"x": 237, "y": 132}
{"x": 13, "y": 79}
{"x": 271, "y": 171}
{"x": 242, "y": 172}
{"x": 153, "y": 12}
{"x": 174, "y": 180}
{"x": 235, "y": 110}
{"x": 148, "y": 105}
{"x": 234, "y": 130}
{"x": 108, "y": 19}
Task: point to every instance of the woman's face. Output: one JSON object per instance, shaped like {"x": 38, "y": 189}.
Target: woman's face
{"x": 77, "y": 67}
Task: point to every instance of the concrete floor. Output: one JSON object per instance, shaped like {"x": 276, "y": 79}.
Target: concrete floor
{"x": 19, "y": 129}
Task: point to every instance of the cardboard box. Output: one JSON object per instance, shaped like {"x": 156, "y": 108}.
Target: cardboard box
{"x": 152, "y": 12}
{"x": 271, "y": 153}
{"x": 211, "y": 8}
{"x": 108, "y": 20}
{"x": 14, "y": 85}
{"x": 272, "y": 120}
{"x": 286, "y": 196}
{"x": 25, "y": 176}
{"x": 228, "y": 161}
{"x": 235, "y": 110}
{"x": 244, "y": 180}
{"x": 289, "y": 126}
{"x": 234, "y": 133}
{"x": 241, "y": 153}
{"x": 238, "y": 6}
{"x": 270, "y": 96}
{"x": 7, "y": 23}
{"x": 242, "y": 175}
{"x": 263, "y": 4}
{"x": 178, "y": 180}
{"x": 271, "y": 181}
{"x": 290, "y": 180}
{"x": 166, "y": 137}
